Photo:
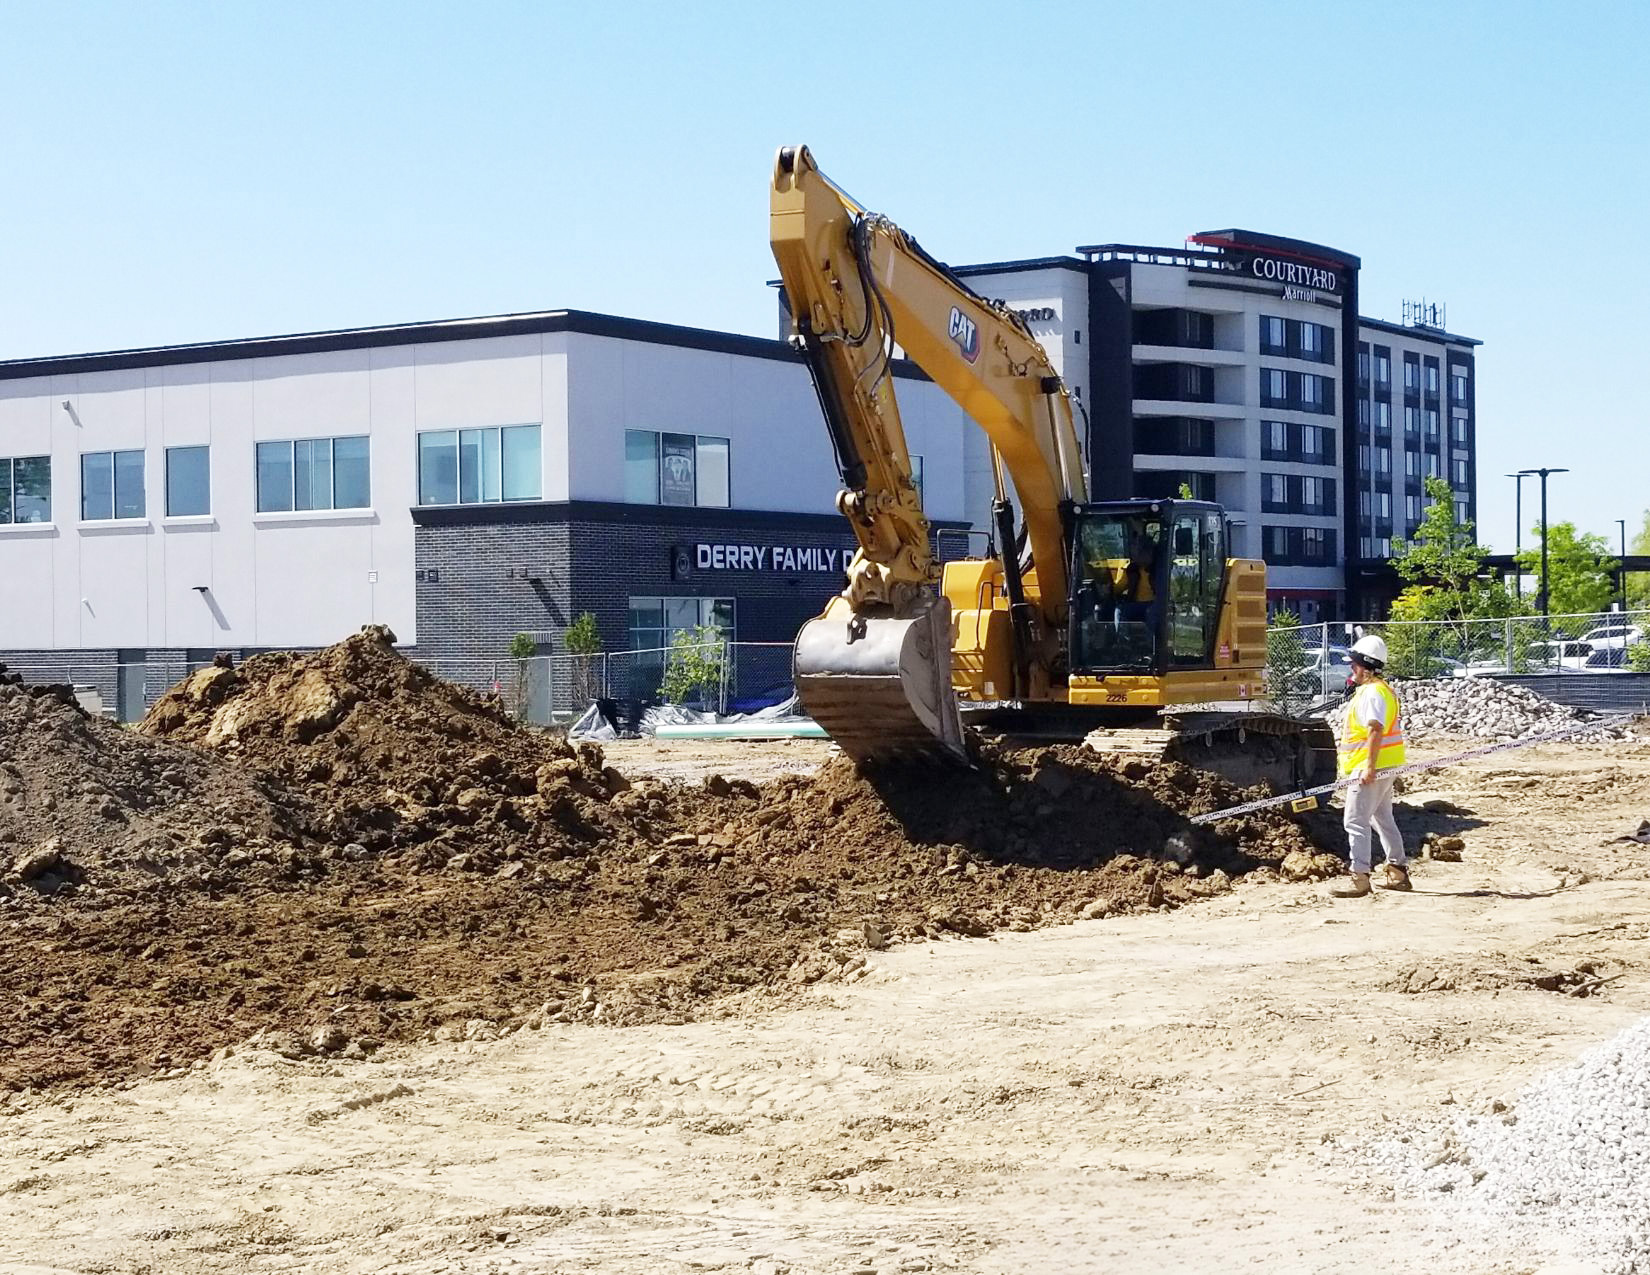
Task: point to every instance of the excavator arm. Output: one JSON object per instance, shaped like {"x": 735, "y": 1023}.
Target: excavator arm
{"x": 874, "y": 669}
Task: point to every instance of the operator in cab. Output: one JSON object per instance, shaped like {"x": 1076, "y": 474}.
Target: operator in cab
{"x": 1371, "y": 748}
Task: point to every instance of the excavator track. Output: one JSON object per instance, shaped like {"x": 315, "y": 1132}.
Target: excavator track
{"x": 1246, "y": 747}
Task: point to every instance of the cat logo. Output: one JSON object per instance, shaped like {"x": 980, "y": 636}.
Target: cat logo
{"x": 965, "y": 335}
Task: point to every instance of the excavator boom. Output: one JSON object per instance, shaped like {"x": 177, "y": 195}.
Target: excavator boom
{"x": 875, "y": 668}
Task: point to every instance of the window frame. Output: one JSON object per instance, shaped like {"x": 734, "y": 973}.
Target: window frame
{"x": 171, "y": 452}
{"x": 10, "y": 482}
{"x": 702, "y": 444}
{"x": 113, "y": 457}
{"x": 291, "y": 445}
{"x": 490, "y": 448}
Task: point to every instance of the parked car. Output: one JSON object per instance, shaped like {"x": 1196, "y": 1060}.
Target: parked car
{"x": 1607, "y": 659}
{"x": 1566, "y": 657}
{"x": 1613, "y": 637}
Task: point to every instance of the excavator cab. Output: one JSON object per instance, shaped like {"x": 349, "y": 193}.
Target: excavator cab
{"x": 1148, "y": 578}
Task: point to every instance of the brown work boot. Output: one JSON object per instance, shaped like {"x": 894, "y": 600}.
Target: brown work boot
{"x": 1396, "y": 878}
{"x": 1354, "y": 887}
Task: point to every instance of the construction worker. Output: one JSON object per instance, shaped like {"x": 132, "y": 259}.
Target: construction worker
{"x": 1371, "y": 748}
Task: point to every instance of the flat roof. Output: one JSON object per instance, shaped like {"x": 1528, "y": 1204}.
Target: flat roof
{"x": 473, "y": 329}
{"x": 1423, "y": 334}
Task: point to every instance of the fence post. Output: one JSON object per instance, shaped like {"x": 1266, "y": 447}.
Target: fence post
{"x": 1323, "y": 660}
{"x": 1510, "y": 668}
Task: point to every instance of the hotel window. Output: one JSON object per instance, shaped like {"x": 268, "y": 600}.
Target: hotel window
{"x": 313, "y": 473}
{"x": 1312, "y": 490}
{"x": 1312, "y": 342}
{"x": 1412, "y": 509}
{"x": 111, "y": 485}
{"x": 1412, "y": 422}
{"x": 1432, "y": 377}
{"x": 1383, "y": 506}
{"x": 1363, "y": 458}
{"x": 188, "y": 482}
{"x": 1458, "y": 386}
{"x": 1313, "y": 438}
{"x": 1311, "y": 391}
{"x": 1412, "y": 464}
{"x": 1274, "y": 387}
{"x": 1315, "y": 544}
{"x": 1277, "y": 542}
{"x": 1412, "y": 372}
{"x": 1458, "y": 430}
{"x": 1383, "y": 460}
{"x": 1272, "y": 335}
{"x": 1365, "y": 504}
{"x": 1363, "y": 363}
{"x": 1462, "y": 513}
{"x": 1431, "y": 418}
{"x": 1432, "y": 466}
{"x": 1458, "y": 472}
{"x": 1363, "y": 411}
{"x": 1383, "y": 367}
{"x": 1277, "y": 491}
{"x": 485, "y": 466}
{"x": 675, "y": 469}
{"x": 1383, "y": 416}
{"x": 25, "y": 489}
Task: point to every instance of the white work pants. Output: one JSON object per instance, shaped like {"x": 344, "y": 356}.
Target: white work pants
{"x": 1370, "y": 806}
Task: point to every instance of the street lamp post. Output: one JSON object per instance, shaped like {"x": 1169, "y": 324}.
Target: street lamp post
{"x": 1621, "y": 567}
{"x": 1546, "y": 609}
{"x": 1518, "y": 532}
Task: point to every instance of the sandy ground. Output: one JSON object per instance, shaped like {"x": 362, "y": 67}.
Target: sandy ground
{"x": 1140, "y": 1093}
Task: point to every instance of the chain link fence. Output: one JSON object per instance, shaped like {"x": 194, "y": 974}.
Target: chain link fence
{"x": 1309, "y": 663}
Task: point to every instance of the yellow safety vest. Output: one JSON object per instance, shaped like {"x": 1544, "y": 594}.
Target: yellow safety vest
{"x": 1354, "y": 748}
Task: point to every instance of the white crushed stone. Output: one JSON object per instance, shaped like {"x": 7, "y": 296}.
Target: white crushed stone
{"x": 1565, "y": 1167}
{"x": 1484, "y": 708}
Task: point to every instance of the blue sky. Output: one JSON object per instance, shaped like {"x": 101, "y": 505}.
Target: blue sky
{"x": 182, "y": 172}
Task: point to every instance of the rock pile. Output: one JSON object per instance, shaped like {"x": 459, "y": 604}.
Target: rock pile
{"x": 1568, "y": 1160}
{"x": 1484, "y": 708}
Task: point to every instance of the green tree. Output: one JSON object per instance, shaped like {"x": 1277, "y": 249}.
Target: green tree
{"x": 1580, "y": 570}
{"x": 522, "y": 649}
{"x": 583, "y": 641}
{"x": 694, "y": 664}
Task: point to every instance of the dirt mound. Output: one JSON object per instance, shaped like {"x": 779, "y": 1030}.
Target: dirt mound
{"x": 467, "y": 875}
{"x": 81, "y": 798}
{"x": 403, "y": 762}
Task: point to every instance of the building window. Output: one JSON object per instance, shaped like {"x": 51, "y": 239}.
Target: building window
{"x": 1462, "y": 513}
{"x": 1432, "y": 377}
{"x": 188, "y": 482}
{"x": 1431, "y": 418}
{"x": 1458, "y": 430}
{"x": 1277, "y": 543}
{"x": 675, "y": 469}
{"x": 25, "y": 489}
{"x": 1274, "y": 387}
{"x": 1277, "y": 492}
{"x": 485, "y": 466}
{"x": 1363, "y": 411}
{"x": 1272, "y": 335}
{"x": 1383, "y": 506}
{"x": 1363, "y": 364}
{"x": 1274, "y": 439}
{"x": 1317, "y": 544}
{"x": 1458, "y": 386}
{"x": 1314, "y": 440}
{"x": 1383, "y": 417}
{"x": 655, "y": 622}
{"x": 1311, "y": 392}
{"x": 1311, "y": 341}
{"x": 1363, "y": 458}
{"x": 314, "y": 473}
{"x": 1383, "y": 367}
{"x": 1458, "y": 472}
{"x": 111, "y": 485}
{"x": 1412, "y": 464}
{"x": 1412, "y": 422}
{"x": 1312, "y": 493}
{"x": 1412, "y": 372}
{"x": 1365, "y": 503}
{"x": 1412, "y": 510}
{"x": 1383, "y": 461}
{"x": 1432, "y": 466}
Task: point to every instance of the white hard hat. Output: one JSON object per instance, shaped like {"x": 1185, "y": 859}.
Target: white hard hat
{"x": 1370, "y": 650}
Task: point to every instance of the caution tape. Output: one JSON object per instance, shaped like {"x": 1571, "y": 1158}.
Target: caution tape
{"x": 1307, "y": 798}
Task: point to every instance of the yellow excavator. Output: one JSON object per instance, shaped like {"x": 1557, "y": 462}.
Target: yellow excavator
{"x": 1108, "y": 614}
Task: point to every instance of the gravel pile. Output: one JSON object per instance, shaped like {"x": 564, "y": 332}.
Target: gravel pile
{"x": 1567, "y": 1164}
{"x": 1487, "y": 709}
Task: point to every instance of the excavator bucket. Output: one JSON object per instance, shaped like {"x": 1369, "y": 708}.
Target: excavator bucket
{"x": 880, "y": 686}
